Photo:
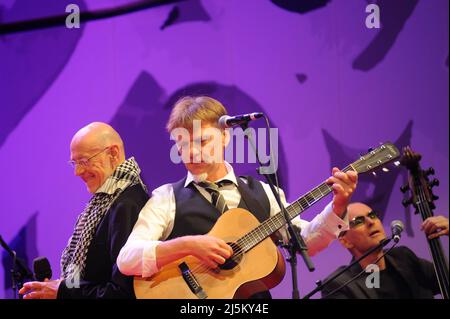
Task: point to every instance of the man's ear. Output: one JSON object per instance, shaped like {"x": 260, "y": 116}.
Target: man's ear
{"x": 226, "y": 137}
{"x": 114, "y": 152}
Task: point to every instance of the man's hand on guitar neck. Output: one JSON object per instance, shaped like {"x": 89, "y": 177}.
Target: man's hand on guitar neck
{"x": 210, "y": 250}
{"x": 435, "y": 226}
{"x": 343, "y": 185}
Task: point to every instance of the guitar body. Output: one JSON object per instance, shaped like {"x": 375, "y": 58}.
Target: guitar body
{"x": 260, "y": 269}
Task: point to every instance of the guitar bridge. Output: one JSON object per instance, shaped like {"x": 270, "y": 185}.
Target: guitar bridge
{"x": 191, "y": 281}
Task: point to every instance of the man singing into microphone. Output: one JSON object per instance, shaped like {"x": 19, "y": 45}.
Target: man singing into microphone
{"x": 88, "y": 262}
{"x": 402, "y": 273}
{"x": 175, "y": 220}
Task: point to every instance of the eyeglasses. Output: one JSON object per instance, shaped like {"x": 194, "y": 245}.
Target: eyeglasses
{"x": 84, "y": 162}
{"x": 361, "y": 220}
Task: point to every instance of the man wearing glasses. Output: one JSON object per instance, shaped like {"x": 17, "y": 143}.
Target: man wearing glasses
{"x": 88, "y": 262}
{"x": 402, "y": 273}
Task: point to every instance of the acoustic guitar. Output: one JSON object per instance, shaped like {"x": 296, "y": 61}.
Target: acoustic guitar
{"x": 256, "y": 264}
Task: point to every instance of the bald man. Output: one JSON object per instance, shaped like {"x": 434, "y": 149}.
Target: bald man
{"x": 402, "y": 275}
{"x": 88, "y": 262}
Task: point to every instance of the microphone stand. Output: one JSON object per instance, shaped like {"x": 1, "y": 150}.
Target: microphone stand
{"x": 321, "y": 285}
{"x": 296, "y": 242}
{"x": 19, "y": 270}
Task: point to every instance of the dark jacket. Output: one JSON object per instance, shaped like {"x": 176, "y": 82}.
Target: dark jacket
{"x": 417, "y": 274}
{"x": 102, "y": 279}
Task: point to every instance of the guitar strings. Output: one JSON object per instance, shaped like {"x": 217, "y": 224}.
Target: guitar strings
{"x": 253, "y": 234}
{"x": 253, "y": 237}
{"x": 256, "y": 233}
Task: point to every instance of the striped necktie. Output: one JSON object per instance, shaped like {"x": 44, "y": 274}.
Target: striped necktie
{"x": 217, "y": 198}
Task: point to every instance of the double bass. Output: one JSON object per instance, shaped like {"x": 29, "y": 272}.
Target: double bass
{"x": 422, "y": 199}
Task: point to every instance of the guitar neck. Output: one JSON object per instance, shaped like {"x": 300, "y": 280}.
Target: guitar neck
{"x": 274, "y": 223}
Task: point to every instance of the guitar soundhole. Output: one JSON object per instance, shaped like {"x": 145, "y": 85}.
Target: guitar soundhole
{"x": 235, "y": 259}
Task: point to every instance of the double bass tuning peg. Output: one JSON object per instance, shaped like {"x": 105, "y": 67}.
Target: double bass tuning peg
{"x": 429, "y": 171}
{"x": 404, "y": 188}
{"x": 407, "y": 202}
{"x": 434, "y": 182}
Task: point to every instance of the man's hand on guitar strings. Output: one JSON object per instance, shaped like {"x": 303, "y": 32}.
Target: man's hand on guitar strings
{"x": 210, "y": 250}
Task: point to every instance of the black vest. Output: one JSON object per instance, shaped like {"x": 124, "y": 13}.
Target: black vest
{"x": 195, "y": 215}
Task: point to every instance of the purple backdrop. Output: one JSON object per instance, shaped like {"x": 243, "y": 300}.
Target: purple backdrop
{"x": 332, "y": 86}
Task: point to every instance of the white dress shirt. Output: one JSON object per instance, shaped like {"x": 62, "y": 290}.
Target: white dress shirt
{"x": 156, "y": 220}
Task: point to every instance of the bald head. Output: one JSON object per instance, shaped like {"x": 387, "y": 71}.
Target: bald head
{"x": 101, "y": 149}
{"x": 98, "y": 135}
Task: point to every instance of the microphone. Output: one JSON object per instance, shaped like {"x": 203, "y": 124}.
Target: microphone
{"x": 230, "y": 121}
{"x": 396, "y": 229}
{"x": 42, "y": 269}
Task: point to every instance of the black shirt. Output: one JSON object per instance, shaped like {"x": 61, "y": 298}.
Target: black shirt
{"x": 392, "y": 285}
{"x": 406, "y": 276}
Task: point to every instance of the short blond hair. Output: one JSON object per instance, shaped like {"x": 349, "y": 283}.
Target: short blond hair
{"x": 190, "y": 108}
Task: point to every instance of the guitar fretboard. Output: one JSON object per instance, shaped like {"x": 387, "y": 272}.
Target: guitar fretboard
{"x": 274, "y": 223}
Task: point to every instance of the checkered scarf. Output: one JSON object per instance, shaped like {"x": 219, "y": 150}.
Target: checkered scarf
{"x": 73, "y": 259}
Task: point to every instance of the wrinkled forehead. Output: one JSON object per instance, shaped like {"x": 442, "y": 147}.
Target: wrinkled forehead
{"x": 84, "y": 145}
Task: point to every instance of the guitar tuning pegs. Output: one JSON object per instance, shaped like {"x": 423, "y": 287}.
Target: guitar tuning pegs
{"x": 385, "y": 169}
{"x": 370, "y": 150}
{"x": 404, "y": 188}
{"x": 434, "y": 182}
{"x": 429, "y": 171}
{"x": 407, "y": 202}
{"x": 432, "y": 206}
{"x": 434, "y": 197}
{"x": 374, "y": 174}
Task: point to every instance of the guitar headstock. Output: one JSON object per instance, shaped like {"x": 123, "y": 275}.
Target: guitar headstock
{"x": 376, "y": 158}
